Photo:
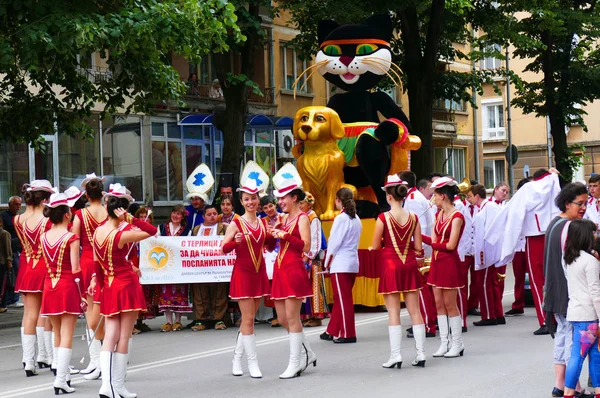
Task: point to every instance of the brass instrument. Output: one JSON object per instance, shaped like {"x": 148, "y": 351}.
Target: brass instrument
{"x": 464, "y": 186}
{"x": 500, "y": 277}
{"x": 426, "y": 266}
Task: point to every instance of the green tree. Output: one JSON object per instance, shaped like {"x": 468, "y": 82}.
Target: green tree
{"x": 42, "y": 83}
{"x": 561, "y": 40}
{"x": 427, "y": 31}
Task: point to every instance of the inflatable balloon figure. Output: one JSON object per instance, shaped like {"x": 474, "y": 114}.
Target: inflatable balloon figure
{"x": 346, "y": 143}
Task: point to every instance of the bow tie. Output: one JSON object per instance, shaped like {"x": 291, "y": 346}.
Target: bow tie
{"x": 499, "y": 202}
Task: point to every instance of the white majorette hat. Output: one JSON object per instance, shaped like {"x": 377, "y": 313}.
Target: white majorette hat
{"x": 90, "y": 177}
{"x": 249, "y": 186}
{"x": 287, "y": 187}
{"x": 286, "y": 180}
{"x": 73, "y": 194}
{"x": 119, "y": 191}
{"x": 392, "y": 181}
{"x": 442, "y": 182}
{"x": 58, "y": 199}
{"x": 252, "y": 171}
{"x": 41, "y": 185}
{"x": 199, "y": 183}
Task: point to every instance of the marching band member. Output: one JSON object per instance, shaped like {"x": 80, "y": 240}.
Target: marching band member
{"x": 64, "y": 294}
{"x": 342, "y": 264}
{"x": 248, "y": 236}
{"x": 445, "y": 273}
{"x": 121, "y": 295}
{"x": 415, "y": 202}
{"x": 527, "y": 214}
{"x": 593, "y": 209}
{"x": 490, "y": 301}
{"x": 400, "y": 231}
{"x": 500, "y": 193}
{"x": 85, "y": 224}
{"x": 30, "y": 226}
{"x": 467, "y": 303}
{"x": 290, "y": 281}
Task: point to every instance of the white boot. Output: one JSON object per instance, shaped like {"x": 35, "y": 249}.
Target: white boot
{"x": 118, "y": 380}
{"x": 94, "y": 373}
{"x": 106, "y": 366}
{"x": 48, "y": 339}
{"x": 443, "y": 329}
{"x": 458, "y": 347}
{"x": 22, "y": 339}
{"x": 294, "y": 367}
{"x": 395, "y": 334}
{"x": 311, "y": 357}
{"x": 238, "y": 353}
{"x": 62, "y": 371}
{"x": 419, "y": 334}
{"x": 249, "y": 342}
{"x": 54, "y": 356}
{"x": 43, "y": 360}
{"x": 29, "y": 354}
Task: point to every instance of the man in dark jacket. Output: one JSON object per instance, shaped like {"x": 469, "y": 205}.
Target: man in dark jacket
{"x": 14, "y": 205}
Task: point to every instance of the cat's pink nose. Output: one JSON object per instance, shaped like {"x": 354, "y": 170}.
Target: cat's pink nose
{"x": 346, "y": 59}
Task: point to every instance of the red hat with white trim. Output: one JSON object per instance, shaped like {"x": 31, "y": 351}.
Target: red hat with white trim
{"x": 119, "y": 191}
{"x": 57, "y": 199}
{"x": 442, "y": 182}
{"x": 73, "y": 195}
{"x": 41, "y": 185}
{"x": 249, "y": 186}
{"x": 286, "y": 187}
{"x": 392, "y": 181}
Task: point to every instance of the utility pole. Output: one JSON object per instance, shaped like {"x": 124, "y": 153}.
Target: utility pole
{"x": 511, "y": 171}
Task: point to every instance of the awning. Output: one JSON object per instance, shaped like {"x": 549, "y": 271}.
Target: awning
{"x": 197, "y": 119}
{"x": 201, "y": 119}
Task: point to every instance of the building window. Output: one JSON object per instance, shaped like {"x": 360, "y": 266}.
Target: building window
{"x": 494, "y": 172}
{"x": 260, "y": 147}
{"x": 14, "y": 169}
{"x": 451, "y": 161}
{"x": 579, "y": 172}
{"x": 292, "y": 67}
{"x": 450, "y": 105}
{"x": 492, "y": 62}
{"x": 492, "y": 114}
{"x": 167, "y": 161}
{"x": 77, "y": 157}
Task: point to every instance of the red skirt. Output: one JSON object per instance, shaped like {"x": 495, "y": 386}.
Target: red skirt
{"x": 396, "y": 276}
{"x": 125, "y": 294}
{"x": 22, "y": 270}
{"x": 445, "y": 270}
{"x": 64, "y": 298}
{"x": 290, "y": 280}
{"x": 249, "y": 284}
{"x": 34, "y": 278}
{"x": 87, "y": 268}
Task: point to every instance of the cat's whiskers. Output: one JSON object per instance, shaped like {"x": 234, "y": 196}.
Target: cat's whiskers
{"x": 387, "y": 62}
{"x": 317, "y": 65}
{"x": 309, "y": 76}
{"x": 380, "y": 65}
{"x": 372, "y": 63}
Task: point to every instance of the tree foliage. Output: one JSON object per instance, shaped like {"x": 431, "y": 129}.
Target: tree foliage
{"x": 42, "y": 84}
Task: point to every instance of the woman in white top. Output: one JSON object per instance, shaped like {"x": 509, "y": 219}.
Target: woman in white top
{"x": 342, "y": 263}
{"x": 583, "y": 312}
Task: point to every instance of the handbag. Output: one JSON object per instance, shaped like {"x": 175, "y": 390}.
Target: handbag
{"x": 11, "y": 278}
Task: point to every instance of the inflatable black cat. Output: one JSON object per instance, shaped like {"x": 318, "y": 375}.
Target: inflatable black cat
{"x": 355, "y": 58}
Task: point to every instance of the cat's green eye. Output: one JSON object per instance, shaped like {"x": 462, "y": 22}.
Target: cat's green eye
{"x": 332, "y": 49}
{"x": 366, "y": 49}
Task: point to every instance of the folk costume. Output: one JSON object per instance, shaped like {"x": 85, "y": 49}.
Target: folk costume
{"x": 315, "y": 307}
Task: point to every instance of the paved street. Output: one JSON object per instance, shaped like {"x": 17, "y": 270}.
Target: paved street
{"x": 499, "y": 361}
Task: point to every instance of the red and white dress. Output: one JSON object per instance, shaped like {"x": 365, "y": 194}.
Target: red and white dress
{"x": 445, "y": 265}
{"x": 88, "y": 228}
{"x": 399, "y": 271}
{"x": 249, "y": 277}
{"x": 61, "y": 295}
{"x": 290, "y": 278}
{"x": 25, "y": 252}
{"x": 121, "y": 289}
{"x": 34, "y": 273}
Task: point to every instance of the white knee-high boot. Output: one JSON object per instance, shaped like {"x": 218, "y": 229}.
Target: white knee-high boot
{"x": 54, "y": 356}
{"x": 29, "y": 354}
{"x": 22, "y": 345}
{"x": 395, "y": 334}
{"x": 49, "y": 341}
{"x": 294, "y": 367}
{"x": 311, "y": 357}
{"x": 458, "y": 347}
{"x": 42, "y": 355}
{"x": 119, "y": 371}
{"x": 419, "y": 334}
{"x": 95, "y": 347}
{"x": 238, "y": 353}
{"x": 443, "y": 329}
{"x": 249, "y": 342}
{"x": 106, "y": 366}
{"x": 62, "y": 371}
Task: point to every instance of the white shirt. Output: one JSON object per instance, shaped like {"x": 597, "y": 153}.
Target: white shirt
{"x": 315, "y": 238}
{"x": 416, "y": 203}
{"x": 466, "y": 245}
{"x": 343, "y": 244}
{"x": 583, "y": 280}
{"x": 207, "y": 231}
{"x": 484, "y": 252}
{"x": 592, "y": 212}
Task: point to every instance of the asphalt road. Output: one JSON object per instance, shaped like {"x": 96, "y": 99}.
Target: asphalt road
{"x": 500, "y": 361}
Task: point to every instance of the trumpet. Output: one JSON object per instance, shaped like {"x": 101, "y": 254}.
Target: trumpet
{"x": 464, "y": 186}
{"x": 500, "y": 277}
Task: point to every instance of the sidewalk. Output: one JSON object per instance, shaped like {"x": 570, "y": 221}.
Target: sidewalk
{"x": 11, "y": 318}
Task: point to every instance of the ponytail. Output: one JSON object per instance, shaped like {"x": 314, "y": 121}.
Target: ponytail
{"x": 347, "y": 199}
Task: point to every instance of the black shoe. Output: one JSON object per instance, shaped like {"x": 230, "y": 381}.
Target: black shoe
{"x": 584, "y": 394}
{"x": 326, "y": 336}
{"x": 429, "y": 334}
{"x": 486, "y": 322}
{"x": 474, "y": 312}
{"x": 514, "y": 312}
{"x": 409, "y": 332}
{"x": 542, "y": 331}
{"x": 501, "y": 321}
{"x": 344, "y": 340}
{"x": 557, "y": 393}
{"x": 464, "y": 329}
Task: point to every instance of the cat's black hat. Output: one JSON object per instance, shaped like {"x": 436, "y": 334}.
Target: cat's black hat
{"x": 375, "y": 27}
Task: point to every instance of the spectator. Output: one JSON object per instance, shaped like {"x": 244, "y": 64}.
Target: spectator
{"x": 6, "y": 259}
{"x": 14, "y": 205}
{"x": 195, "y": 210}
{"x": 193, "y": 87}
{"x": 215, "y": 91}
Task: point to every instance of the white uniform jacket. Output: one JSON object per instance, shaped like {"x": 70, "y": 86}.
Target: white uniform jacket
{"x": 466, "y": 245}
{"x": 485, "y": 253}
{"x": 343, "y": 244}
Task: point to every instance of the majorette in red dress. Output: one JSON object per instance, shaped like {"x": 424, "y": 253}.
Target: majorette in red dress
{"x": 249, "y": 277}
{"x": 25, "y": 252}
{"x": 398, "y": 264}
{"x": 34, "y": 273}
{"x": 121, "y": 290}
{"x": 290, "y": 278}
{"x": 88, "y": 225}
{"x": 445, "y": 265}
{"x": 61, "y": 295}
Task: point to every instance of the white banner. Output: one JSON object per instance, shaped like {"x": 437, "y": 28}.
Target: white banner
{"x": 188, "y": 259}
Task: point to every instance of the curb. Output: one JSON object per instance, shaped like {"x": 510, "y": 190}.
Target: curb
{"x": 10, "y": 324}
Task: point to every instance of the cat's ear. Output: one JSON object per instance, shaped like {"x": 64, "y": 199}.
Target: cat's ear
{"x": 325, "y": 28}
{"x": 382, "y": 23}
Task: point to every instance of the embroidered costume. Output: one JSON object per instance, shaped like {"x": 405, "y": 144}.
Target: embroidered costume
{"x": 172, "y": 297}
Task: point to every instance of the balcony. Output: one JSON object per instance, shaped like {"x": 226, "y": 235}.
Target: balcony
{"x": 204, "y": 97}
{"x": 444, "y": 124}
{"x": 96, "y": 74}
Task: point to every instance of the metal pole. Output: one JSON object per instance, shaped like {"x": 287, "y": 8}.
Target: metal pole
{"x": 475, "y": 124}
{"x": 511, "y": 170}
{"x": 549, "y": 134}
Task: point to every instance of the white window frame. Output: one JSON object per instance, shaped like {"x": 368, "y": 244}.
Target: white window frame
{"x": 492, "y": 63}
{"x": 166, "y": 139}
{"x": 462, "y": 157}
{"x": 496, "y": 178}
{"x": 492, "y": 133}
{"x": 284, "y": 82}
